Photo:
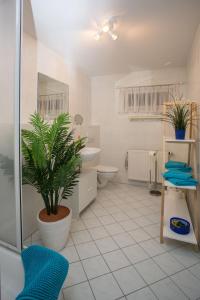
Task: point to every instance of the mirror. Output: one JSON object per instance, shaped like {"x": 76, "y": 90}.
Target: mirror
{"x": 53, "y": 97}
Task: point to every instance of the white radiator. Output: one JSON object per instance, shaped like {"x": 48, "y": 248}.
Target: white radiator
{"x": 141, "y": 165}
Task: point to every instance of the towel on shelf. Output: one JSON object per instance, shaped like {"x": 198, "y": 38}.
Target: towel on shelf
{"x": 45, "y": 272}
{"x": 175, "y": 164}
{"x": 184, "y": 182}
{"x": 185, "y": 169}
{"x": 180, "y": 178}
{"x": 177, "y": 174}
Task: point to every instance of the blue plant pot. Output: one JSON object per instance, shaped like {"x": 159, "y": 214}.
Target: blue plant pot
{"x": 180, "y": 134}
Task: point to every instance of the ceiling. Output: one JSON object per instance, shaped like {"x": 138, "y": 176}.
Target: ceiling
{"x": 152, "y": 33}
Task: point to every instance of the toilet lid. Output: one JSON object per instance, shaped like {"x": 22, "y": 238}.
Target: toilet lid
{"x": 106, "y": 169}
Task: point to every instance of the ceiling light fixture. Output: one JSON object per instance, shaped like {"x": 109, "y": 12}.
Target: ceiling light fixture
{"x": 106, "y": 28}
{"x": 97, "y": 36}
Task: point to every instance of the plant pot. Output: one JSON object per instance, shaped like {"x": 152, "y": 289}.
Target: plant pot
{"x": 54, "y": 233}
{"x": 180, "y": 134}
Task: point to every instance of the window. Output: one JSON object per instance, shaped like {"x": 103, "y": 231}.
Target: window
{"x": 147, "y": 99}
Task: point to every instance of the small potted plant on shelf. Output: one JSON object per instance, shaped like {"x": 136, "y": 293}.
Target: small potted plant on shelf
{"x": 51, "y": 165}
{"x": 178, "y": 115}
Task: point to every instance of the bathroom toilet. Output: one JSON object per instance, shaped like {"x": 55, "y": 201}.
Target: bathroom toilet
{"x": 105, "y": 174}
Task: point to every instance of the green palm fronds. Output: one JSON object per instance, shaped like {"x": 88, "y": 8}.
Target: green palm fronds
{"x": 51, "y": 159}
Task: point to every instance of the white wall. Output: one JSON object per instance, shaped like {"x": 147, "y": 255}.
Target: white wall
{"x": 193, "y": 69}
{"x": 117, "y": 133}
{"x": 193, "y": 73}
{"x": 29, "y": 78}
{"x": 36, "y": 57}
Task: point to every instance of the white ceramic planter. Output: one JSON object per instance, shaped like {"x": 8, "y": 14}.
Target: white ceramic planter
{"x": 54, "y": 235}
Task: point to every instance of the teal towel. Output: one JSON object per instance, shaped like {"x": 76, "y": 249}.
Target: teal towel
{"x": 182, "y": 182}
{"x": 185, "y": 169}
{"x": 45, "y": 272}
{"x": 175, "y": 164}
{"x": 177, "y": 174}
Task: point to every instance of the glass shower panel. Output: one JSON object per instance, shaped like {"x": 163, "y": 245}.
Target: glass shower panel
{"x": 9, "y": 122}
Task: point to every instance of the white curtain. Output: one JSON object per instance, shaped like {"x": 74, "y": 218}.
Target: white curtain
{"x": 147, "y": 100}
{"x": 50, "y": 106}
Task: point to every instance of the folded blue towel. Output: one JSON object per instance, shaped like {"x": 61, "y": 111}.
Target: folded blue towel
{"x": 175, "y": 164}
{"x": 185, "y": 169}
{"x": 177, "y": 174}
{"x": 45, "y": 271}
{"x": 182, "y": 182}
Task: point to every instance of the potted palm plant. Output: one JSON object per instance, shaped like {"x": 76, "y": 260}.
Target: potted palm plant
{"x": 51, "y": 165}
{"x": 178, "y": 115}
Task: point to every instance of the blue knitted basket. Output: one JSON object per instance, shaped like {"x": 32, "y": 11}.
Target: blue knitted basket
{"x": 182, "y": 228}
{"x": 45, "y": 272}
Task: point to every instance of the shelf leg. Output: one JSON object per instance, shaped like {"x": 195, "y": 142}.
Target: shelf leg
{"x": 162, "y": 216}
{"x": 196, "y": 221}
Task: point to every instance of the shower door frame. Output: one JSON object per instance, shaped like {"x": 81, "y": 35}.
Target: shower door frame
{"x": 17, "y": 130}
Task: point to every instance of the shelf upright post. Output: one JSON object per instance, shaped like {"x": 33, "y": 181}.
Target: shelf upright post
{"x": 183, "y": 209}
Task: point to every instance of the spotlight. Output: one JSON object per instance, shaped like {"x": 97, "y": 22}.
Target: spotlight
{"x": 113, "y": 35}
{"x": 97, "y": 36}
{"x": 106, "y": 27}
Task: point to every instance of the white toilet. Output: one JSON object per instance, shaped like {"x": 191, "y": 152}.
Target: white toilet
{"x": 104, "y": 174}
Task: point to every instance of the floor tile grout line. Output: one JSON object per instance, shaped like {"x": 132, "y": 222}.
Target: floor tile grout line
{"x": 191, "y": 271}
{"x": 84, "y": 272}
{"x": 179, "y": 286}
{"x": 139, "y": 227}
{"x": 153, "y": 291}
{"x": 151, "y": 237}
{"x": 138, "y": 243}
{"x": 167, "y": 276}
{"x": 143, "y": 260}
{"x": 108, "y": 268}
{"x": 147, "y": 284}
{"x": 88, "y": 281}
{"x": 133, "y": 265}
{"x": 127, "y": 231}
{"x": 112, "y": 274}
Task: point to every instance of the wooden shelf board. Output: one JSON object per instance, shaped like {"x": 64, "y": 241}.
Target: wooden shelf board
{"x": 175, "y": 207}
{"x": 186, "y": 141}
{"x": 144, "y": 117}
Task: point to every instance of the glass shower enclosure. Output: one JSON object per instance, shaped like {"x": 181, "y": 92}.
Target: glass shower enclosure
{"x": 10, "y": 174}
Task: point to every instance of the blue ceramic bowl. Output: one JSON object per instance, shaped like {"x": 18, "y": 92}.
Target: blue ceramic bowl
{"x": 179, "y": 225}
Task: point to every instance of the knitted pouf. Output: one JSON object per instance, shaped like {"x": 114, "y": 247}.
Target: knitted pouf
{"x": 45, "y": 272}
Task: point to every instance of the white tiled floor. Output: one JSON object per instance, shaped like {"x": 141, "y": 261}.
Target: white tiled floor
{"x": 114, "y": 252}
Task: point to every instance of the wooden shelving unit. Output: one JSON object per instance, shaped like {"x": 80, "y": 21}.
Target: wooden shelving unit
{"x": 175, "y": 206}
{"x": 171, "y": 206}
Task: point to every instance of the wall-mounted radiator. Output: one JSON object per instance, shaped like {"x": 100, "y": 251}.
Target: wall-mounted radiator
{"x": 141, "y": 165}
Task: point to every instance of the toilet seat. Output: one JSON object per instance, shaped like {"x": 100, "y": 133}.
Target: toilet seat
{"x": 106, "y": 169}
